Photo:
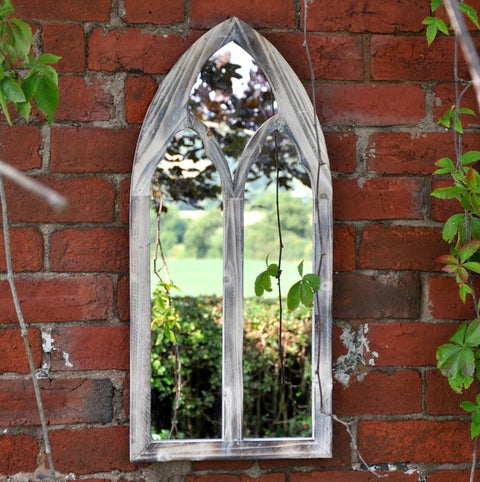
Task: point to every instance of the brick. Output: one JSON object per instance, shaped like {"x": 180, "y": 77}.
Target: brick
{"x": 235, "y": 478}
{"x": 13, "y": 357}
{"x": 444, "y": 98}
{"x": 335, "y": 57}
{"x": 22, "y": 155}
{"x": 380, "y": 393}
{"x": 133, "y": 50}
{"x": 414, "y": 441}
{"x": 64, "y": 401}
{"x": 123, "y": 298}
{"x": 90, "y": 149}
{"x": 401, "y": 247}
{"x": 79, "y": 298}
{"x": 90, "y": 450}
{"x": 67, "y": 41}
{"x": 19, "y": 454}
{"x": 440, "y": 399}
{"x": 408, "y": 153}
{"x": 378, "y": 198}
{"x": 26, "y": 245}
{"x": 407, "y": 344}
{"x": 376, "y": 296}
{"x": 449, "y": 475}
{"x": 222, "y": 465}
{"x": 341, "y": 454}
{"x": 374, "y": 16}
{"x": 370, "y": 104}
{"x": 86, "y": 250}
{"x": 91, "y": 348}
{"x": 86, "y": 10}
{"x": 444, "y": 302}
{"x": 152, "y": 11}
{"x": 410, "y": 58}
{"x": 139, "y": 92}
{"x": 89, "y": 200}
{"x": 341, "y": 147}
{"x": 343, "y": 248}
{"x": 126, "y": 396}
{"x": 84, "y": 99}
{"x": 276, "y": 13}
{"x": 125, "y": 200}
{"x": 349, "y": 476}
{"x": 442, "y": 209}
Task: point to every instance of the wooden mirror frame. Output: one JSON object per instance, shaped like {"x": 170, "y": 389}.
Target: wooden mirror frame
{"x": 167, "y": 115}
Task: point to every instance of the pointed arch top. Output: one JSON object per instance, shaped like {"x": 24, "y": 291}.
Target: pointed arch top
{"x": 168, "y": 111}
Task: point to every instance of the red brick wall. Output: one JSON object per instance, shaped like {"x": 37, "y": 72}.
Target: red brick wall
{"x": 379, "y": 90}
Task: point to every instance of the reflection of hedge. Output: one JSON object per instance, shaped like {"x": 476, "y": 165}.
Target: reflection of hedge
{"x": 270, "y": 408}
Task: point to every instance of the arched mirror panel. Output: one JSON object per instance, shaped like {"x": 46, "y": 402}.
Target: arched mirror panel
{"x": 228, "y": 168}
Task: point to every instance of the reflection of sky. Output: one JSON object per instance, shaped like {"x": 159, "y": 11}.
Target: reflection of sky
{"x": 237, "y": 56}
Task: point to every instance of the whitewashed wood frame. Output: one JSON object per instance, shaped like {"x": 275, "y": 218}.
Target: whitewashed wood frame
{"x": 167, "y": 115}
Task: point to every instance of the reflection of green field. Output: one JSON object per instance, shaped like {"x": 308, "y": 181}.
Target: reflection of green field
{"x": 204, "y": 276}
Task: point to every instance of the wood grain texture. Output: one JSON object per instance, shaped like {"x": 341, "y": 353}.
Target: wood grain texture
{"x": 166, "y": 116}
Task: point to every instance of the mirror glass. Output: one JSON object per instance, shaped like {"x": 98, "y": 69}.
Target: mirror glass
{"x": 186, "y": 240}
{"x": 277, "y": 383}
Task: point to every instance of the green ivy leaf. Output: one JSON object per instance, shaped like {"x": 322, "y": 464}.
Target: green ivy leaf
{"x": 470, "y": 157}
{"x": 452, "y": 226}
{"x": 468, "y": 249}
{"x": 473, "y": 266}
{"x": 472, "y": 334}
{"x": 46, "y": 96}
{"x": 313, "y": 280}
{"x": 22, "y": 37}
{"x": 300, "y": 268}
{"x": 293, "y": 296}
{"x": 434, "y": 4}
{"x": 451, "y": 192}
{"x": 48, "y": 59}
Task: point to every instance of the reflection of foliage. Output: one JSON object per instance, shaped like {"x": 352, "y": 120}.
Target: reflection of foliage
{"x": 232, "y": 119}
{"x": 271, "y": 409}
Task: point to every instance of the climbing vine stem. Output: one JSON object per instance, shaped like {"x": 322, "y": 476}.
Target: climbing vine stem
{"x": 23, "y": 328}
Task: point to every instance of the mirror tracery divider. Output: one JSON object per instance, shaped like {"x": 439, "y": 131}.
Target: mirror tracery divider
{"x": 167, "y": 115}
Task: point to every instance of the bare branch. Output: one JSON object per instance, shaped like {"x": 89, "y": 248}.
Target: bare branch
{"x": 469, "y": 51}
{"x": 23, "y": 328}
{"x": 58, "y": 202}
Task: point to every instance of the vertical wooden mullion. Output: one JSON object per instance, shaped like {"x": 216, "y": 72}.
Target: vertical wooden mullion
{"x": 232, "y": 420}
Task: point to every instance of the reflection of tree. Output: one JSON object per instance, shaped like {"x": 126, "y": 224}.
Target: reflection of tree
{"x": 232, "y": 118}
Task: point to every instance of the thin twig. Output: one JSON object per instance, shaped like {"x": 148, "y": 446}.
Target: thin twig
{"x": 23, "y": 329}
{"x": 58, "y": 202}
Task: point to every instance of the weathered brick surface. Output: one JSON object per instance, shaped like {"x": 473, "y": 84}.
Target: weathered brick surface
{"x": 442, "y": 209}
{"x": 370, "y": 104}
{"x": 333, "y": 57}
{"x": 88, "y": 10}
{"x": 90, "y": 199}
{"x": 374, "y": 16}
{"x": 349, "y": 476}
{"x": 67, "y": 41}
{"x": 95, "y": 249}
{"x": 125, "y": 201}
{"x": 444, "y": 302}
{"x": 343, "y": 248}
{"x": 65, "y": 402}
{"x": 83, "y": 99}
{"x": 341, "y": 148}
{"x": 73, "y": 298}
{"x": 132, "y": 50}
{"x": 123, "y": 300}
{"x": 440, "y": 399}
{"x": 24, "y": 154}
{"x": 139, "y": 92}
{"x": 380, "y": 393}
{"x": 410, "y": 58}
{"x": 414, "y": 441}
{"x": 91, "y": 450}
{"x": 13, "y": 356}
{"x": 401, "y": 248}
{"x": 26, "y": 247}
{"x": 91, "y": 348}
{"x": 407, "y": 344}
{"x": 378, "y": 198}
{"x": 207, "y": 13}
{"x": 236, "y": 478}
{"x": 381, "y": 296}
{"x": 150, "y": 11}
{"x": 77, "y": 149}
{"x": 19, "y": 454}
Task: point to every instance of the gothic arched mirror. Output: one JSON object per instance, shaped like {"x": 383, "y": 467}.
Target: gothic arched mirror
{"x": 231, "y": 191}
